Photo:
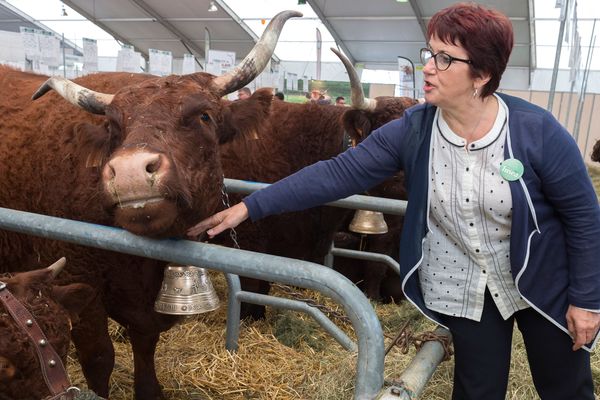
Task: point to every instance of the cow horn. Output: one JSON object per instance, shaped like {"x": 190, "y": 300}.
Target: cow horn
{"x": 359, "y": 101}
{"x": 256, "y": 60}
{"x": 57, "y": 267}
{"x": 94, "y": 102}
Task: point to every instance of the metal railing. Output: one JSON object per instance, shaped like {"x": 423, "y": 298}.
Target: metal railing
{"x": 369, "y": 368}
{"x": 234, "y": 262}
{"x": 414, "y": 378}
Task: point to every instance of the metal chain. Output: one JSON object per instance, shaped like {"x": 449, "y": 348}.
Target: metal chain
{"x": 227, "y": 204}
{"x": 284, "y": 288}
{"x": 321, "y": 307}
{"x": 405, "y": 338}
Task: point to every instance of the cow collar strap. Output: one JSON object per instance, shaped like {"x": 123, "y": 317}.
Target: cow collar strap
{"x": 52, "y": 367}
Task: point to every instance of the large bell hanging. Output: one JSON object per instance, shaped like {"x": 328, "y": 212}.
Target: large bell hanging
{"x": 368, "y": 222}
{"x": 186, "y": 290}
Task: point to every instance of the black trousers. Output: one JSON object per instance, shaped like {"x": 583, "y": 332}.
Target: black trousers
{"x": 483, "y": 350}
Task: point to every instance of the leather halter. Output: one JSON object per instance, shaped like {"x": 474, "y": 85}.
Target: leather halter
{"x": 51, "y": 365}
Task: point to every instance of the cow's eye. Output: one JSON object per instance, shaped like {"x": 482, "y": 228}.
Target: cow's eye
{"x": 204, "y": 117}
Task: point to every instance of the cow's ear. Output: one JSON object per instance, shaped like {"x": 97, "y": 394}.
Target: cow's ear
{"x": 356, "y": 124}
{"x": 74, "y": 297}
{"x": 246, "y": 117}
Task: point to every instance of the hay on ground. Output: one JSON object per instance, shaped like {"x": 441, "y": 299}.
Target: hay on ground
{"x": 287, "y": 356}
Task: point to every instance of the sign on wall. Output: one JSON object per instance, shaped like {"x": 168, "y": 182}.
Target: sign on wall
{"x": 42, "y": 49}
{"x": 90, "y": 55}
{"x": 128, "y": 60}
{"x": 161, "y": 62}
{"x": 189, "y": 64}
{"x": 220, "y": 62}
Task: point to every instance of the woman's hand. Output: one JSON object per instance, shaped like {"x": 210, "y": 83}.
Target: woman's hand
{"x": 226, "y": 219}
{"x": 583, "y": 325}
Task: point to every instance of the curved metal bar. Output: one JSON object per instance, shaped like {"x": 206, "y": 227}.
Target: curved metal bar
{"x": 413, "y": 380}
{"x": 296, "y": 305}
{"x": 366, "y": 255}
{"x": 357, "y": 201}
{"x": 369, "y": 374}
{"x": 233, "y": 311}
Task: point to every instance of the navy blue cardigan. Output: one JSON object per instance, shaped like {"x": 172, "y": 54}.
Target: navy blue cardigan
{"x": 555, "y": 234}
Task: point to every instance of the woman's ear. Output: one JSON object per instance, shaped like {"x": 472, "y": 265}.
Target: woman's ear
{"x": 480, "y": 81}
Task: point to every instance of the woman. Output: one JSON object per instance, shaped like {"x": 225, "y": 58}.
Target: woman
{"x": 475, "y": 161}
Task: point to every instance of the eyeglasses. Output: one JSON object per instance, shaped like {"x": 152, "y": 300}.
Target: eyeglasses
{"x": 441, "y": 59}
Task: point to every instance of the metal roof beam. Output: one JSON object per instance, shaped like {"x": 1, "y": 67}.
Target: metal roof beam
{"x": 102, "y": 26}
{"x": 336, "y": 36}
{"x": 184, "y": 39}
{"x": 242, "y": 24}
{"x": 414, "y": 4}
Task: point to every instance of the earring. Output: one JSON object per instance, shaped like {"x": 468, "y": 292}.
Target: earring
{"x": 475, "y": 93}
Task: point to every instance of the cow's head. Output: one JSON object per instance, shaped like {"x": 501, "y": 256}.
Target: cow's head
{"x": 53, "y": 307}
{"x": 158, "y": 149}
{"x": 596, "y": 152}
{"x": 367, "y": 114}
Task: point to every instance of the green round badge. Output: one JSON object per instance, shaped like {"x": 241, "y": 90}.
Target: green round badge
{"x": 511, "y": 169}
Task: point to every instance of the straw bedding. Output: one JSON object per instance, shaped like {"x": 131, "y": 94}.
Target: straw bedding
{"x": 287, "y": 356}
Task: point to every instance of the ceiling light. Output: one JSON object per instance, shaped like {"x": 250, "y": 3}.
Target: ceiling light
{"x": 64, "y": 12}
{"x": 212, "y": 7}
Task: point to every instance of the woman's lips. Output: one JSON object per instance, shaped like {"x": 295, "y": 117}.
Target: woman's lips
{"x": 427, "y": 86}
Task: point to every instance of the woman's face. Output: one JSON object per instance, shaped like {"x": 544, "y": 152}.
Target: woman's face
{"x": 455, "y": 85}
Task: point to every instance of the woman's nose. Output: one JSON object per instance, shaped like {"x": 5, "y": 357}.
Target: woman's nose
{"x": 429, "y": 66}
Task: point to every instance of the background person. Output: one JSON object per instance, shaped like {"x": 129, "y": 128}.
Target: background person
{"x": 475, "y": 161}
{"x": 324, "y": 101}
{"x": 244, "y": 93}
{"x": 315, "y": 96}
{"x": 340, "y": 101}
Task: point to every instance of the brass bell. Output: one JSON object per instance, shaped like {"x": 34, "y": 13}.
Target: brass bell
{"x": 368, "y": 222}
{"x": 186, "y": 290}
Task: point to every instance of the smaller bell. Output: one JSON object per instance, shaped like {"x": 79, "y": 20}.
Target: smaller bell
{"x": 186, "y": 290}
{"x": 368, "y": 222}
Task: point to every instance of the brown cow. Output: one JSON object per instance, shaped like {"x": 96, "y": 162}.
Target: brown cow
{"x": 53, "y": 307}
{"x": 596, "y": 152}
{"x": 294, "y": 136}
{"x": 149, "y": 162}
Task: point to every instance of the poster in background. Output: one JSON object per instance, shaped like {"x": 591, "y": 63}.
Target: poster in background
{"x": 51, "y": 54}
{"x": 30, "y": 44}
{"x": 406, "y": 85}
{"x": 128, "y": 60}
{"x": 90, "y": 56}
{"x": 41, "y": 48}
{"x": 189, "y": 64}
{"x": 220, "y": 62}
{"x": 160, "y": 62}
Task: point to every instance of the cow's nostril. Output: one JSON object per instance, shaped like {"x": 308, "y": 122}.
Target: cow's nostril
{"x": 153, "y": 165}
{"x": 109, "y": 171}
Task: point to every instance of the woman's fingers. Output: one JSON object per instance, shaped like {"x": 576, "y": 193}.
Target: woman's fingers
{"x": 215, "y": 224}
{"x": 582, "y": 325}
{"x": 203, "y": 225}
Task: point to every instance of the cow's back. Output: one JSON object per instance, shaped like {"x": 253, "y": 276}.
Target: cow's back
{"x": 297, "y": 135}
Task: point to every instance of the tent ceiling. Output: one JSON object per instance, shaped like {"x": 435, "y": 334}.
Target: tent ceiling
{"x": 377, "y": 31}
{"x": 373, "y": 32}
{"x": 12, "y": 19}
{"x": 176, "y": 26}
